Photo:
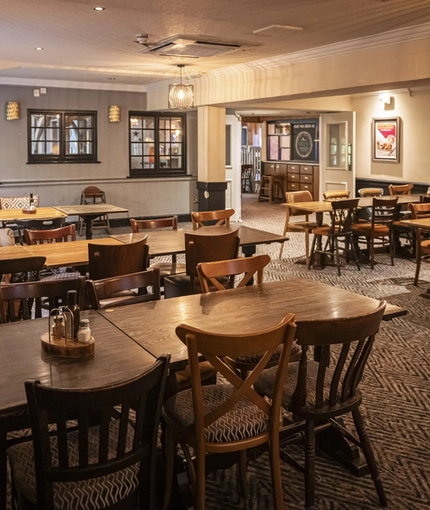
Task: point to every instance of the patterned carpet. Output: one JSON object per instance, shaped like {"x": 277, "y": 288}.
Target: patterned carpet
{"x": 395, "y": 388}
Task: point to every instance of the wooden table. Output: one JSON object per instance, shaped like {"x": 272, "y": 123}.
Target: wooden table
{"x": 423, "y": 223}
{"x": 42, "y": 213}
{"x": 117, "y": 358}
{"x": 90, "y": 212}
{"x": 168, "y": 242}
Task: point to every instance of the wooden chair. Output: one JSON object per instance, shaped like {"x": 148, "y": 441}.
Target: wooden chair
{"x": 246, "y": 174}
{"x": 211, "y": 272}
{"x": 170, "y": 223}
{"x": 336, "y": 194}
{"x": 218, "y": 217}
{"x": 107, "y": 260}
{"x": 30, "y": 295}
{"x": 379, "y": 231}
{"x": 422, "y": 250}
{"x": 271, "y": 187}
{"x": 200, "y": 248}
{"x": 319, "y": 392}
{"x": 400, "y": 230}
{"x": 22, "y": 225}
{"x": 21, "y": 269}
{"x": 230, "y": 417}
{"x": 305, "y": 225}
{"x": 124, "y": 290}
{"x": 370, "y": 192}
{"x": 342, "y": 216}
{"x": 57, "y": 235}
{"x": 104, "y": 461}
{"x": 400, "y": 189}
{"x": 94, "y": 195}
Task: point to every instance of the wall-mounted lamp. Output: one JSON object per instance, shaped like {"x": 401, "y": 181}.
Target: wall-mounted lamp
{"x": 385, "y": 100}
{"x": 114, "y": 114}
{"x": 12, "y": 110}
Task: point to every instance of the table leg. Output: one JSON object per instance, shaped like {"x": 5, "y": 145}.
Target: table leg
{"x": 88, "y": 226}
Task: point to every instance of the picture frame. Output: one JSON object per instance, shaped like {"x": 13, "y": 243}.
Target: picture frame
{"x": 386, "y": 139}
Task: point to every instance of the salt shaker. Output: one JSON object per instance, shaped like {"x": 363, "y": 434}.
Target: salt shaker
{"x": 58, "y": 327}
{"x": 84, "y": 332}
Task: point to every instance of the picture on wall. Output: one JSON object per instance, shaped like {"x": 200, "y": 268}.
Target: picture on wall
{"x": 386, "y": 139}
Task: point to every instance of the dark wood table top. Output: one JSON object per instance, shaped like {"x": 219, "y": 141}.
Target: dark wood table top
{"x": 166, "y": 242}
{"x": 153, "y": 324}
{"x": 420, "y": 223}
{"x": 90, "y": 209}
{"x": 117, "y": 358}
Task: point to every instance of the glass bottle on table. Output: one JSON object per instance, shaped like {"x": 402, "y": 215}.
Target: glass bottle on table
{"x": 73, "y": 306}
{"x": 32, "y": 207}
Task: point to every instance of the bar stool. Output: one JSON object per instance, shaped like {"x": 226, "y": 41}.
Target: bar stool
{"x": 272, "y": 186}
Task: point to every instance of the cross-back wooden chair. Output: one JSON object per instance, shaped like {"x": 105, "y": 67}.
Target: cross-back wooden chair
{"x": 200, "y": 248}
{"x": 338, "y": 194}
{"x": 400, "y": 189}
{"x": 105, "y": 460}
{"x": 227, "y": 417}
{"x": 55, "y": 235}
{"x": 124, "y": 290}
{"x": 211, "y": 272}
{"x": 168, "y": 223}
{"x": 422, "y": 251}
{"x": 342, "y": 216}
{"x": 30, "y": 295}
{"x": 218, "y": 217}
{"x": 306, "y": 225}
{"x": 107, "y": 260}
{"x": 320, "y": 391}
{"x": 379, "y": 231}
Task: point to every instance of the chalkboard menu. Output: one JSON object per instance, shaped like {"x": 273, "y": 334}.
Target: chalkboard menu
{"x": 292, "y": 140}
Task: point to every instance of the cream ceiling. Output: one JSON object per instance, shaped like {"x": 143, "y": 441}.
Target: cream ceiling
{"x": 98, "y": 49}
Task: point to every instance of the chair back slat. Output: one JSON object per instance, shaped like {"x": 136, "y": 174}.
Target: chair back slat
{"x": 218, "y": 217}
{"x": 55, "y": 235}
{"x": 154, "y": 224}
{"x": 383, "y": 211}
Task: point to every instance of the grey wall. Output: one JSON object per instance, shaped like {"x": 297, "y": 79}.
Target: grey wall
{"x": 61, "y": 184}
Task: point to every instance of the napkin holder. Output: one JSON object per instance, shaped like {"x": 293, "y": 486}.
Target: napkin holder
{"x": 64, "y": 346}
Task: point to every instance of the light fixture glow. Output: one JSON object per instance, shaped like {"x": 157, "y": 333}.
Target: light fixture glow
{"x": 181, "y": 96}
{"x": 114, "y": 113}
{"x": 38, "y": 48}
{"x": 12, "y": 110}
{"x": 99, "y": 8}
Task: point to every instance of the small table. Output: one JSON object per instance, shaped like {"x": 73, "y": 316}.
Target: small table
{"x": 89, "y": 213}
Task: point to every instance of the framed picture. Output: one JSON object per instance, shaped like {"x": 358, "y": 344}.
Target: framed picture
{"x": 386, "y": 139}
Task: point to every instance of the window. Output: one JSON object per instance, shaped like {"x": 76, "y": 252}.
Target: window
{"x": 61, "y": 136}
{"x": 157, "y": 142}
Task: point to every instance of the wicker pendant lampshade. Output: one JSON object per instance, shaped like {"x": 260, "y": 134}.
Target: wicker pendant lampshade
{"x": 12, "y": 110}
{"x": 181, "y": 96}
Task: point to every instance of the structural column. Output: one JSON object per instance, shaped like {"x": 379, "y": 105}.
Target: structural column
{"x": 211, "y": 183}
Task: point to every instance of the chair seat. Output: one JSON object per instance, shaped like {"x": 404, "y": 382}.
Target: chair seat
{"x": 366, "y": 228}
{"x": 255, "y": 358}
{"x": 301, "y": 225}
{"x": 249, "y": 420}
{"x": 266, "y": 382}
{"x": 425, "y": 247}
{"x": 183, "y": 377}
{"x": 85, "y": 495}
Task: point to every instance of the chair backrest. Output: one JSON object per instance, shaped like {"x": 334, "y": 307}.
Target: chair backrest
{"x": 210, "y": 272}
{"x": 216, "y": 348}
{"x": 22, "y": 269}
{"x": 343, "y": 346}
{"x": 57, "y": 235}
{"x": 53, "y": 292}
{"x": 18, "y": 202}
{"x": 421, "y": 210}
{"x": 370, "y": 192}
{"x": 342, "y": 215}
{"x": 152, "y": 224}
{"x": 336, "y": 194}
{"x": 383, "y": 211}
{"x": 207, "y": 248}
{"x": 400, "y": 189}
{"x": 292, "y": 197}
{"x": 219, "y": 217}
{"x": 115, "y": 291}
{"x": 108, "y": 446}
{"x": 107, "y": 260}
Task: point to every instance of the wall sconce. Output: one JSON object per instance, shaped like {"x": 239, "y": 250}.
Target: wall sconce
{"x": 385, "y": 100}
{"x": 114, "y": 114}
{"x": 181, "y": 96}
{"x": 12, "y": 110}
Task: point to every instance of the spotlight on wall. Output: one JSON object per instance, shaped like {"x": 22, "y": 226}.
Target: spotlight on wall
{"x": 12, "y": 110}
{"x": 114, "y": 113}
{"x": 385, "y": 100}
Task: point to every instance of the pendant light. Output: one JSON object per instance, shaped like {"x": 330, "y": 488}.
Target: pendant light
{"x": 181, "y": 96}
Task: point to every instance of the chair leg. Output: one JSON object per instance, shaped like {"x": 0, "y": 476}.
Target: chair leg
{"x": 370, "y": 457}
{"x": 199, "y": 494}
{"x": 307, "y": 246}
{"x": 312, "y": 255}
{"x": 242, "y": 474}
{"x": 283, "y": 233}
{"x": 169, "y": 456}
{"x": 310, "y": 465}
{"x": 275, "y": 466}
{"x": 417, "y": 269}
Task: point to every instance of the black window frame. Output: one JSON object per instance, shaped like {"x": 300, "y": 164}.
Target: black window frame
{"x": 158, "y": 170}
{"x": 62, "y": 157}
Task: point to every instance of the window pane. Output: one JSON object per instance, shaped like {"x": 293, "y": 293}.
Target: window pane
{"x": 38, "y": 134}
{"x": 148, "y": 135}
{"x": 71, "y": 148}
{"x": 85, "y": 121}
{"x": 52, "y": 148}
{"x": 136, "y": 163}
{"x": 85, "y": 134}
{"x": 38, "y": 120}
{"x": 148, "y": 123}
{"x": 176, "y": 149}
{"x": 148, "y": 162}
{"x": 136, "y": 149}
{"x": 85, "y": 148}
{"x": 176, "y": 162}
{"x": 176, "y": 136}
{"x": 53, "y": 134}
{"x": 38, "y": 148}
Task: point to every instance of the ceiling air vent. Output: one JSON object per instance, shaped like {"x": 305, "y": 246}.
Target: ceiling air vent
{"x": 183, "y": 46}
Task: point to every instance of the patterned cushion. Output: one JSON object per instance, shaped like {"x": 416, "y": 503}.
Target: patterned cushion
{"x": 7, "y": 237}
{"x": 17, "y": 202}
{"x": 255, "y": 358}
{"x": 86, "y": 495}
{"x": 243, "y": 421}
{"x": 264, "y": 385}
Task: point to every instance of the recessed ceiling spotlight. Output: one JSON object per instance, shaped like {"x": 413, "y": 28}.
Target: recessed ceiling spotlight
{"x": 38, "y": 48}
{"x": 99, "y": 8}
{"x": 111, "y": 78}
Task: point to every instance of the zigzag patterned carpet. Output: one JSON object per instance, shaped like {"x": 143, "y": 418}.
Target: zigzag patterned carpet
{"x": 395, "y": 389}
